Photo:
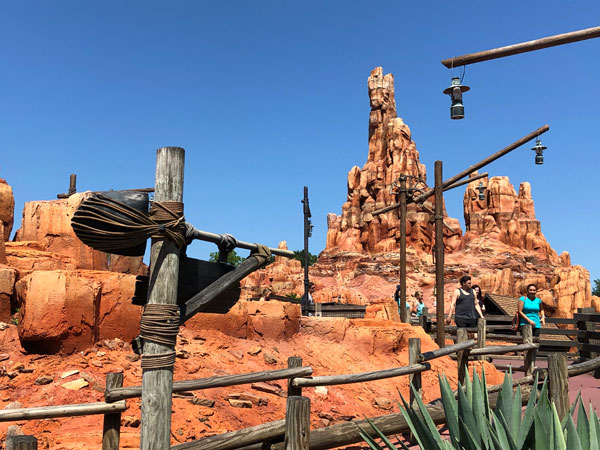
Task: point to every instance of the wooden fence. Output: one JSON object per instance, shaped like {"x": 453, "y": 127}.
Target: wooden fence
{"x": 294, "y": 432}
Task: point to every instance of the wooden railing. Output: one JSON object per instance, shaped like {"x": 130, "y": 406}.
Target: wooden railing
{"x": 294, "y": 432}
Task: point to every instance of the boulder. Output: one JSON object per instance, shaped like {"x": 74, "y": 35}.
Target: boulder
{"x": 8, "y": 277}
{"x": 7, "y": 210}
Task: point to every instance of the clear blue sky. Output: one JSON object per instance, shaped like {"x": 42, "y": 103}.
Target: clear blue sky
{"x": 269, "y": 96}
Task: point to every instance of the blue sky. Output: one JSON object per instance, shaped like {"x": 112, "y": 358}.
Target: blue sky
{"x": 269, "y": 96}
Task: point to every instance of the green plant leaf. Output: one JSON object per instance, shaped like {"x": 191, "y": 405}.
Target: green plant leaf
{"x": 505, "y": 398}
{"x": 594, "y": 429}
{"x": 465, "y": 414}
{"x": 368, "y": 439}
{"x": 382, "y": 436}
{"x": 503, "y": 426}
{"x": 544, "y": 408}
{"x": 583, "y": 426}
{"x": 571, "y": 410}
{"x": 486, "y": 398}
{"x": 516, "y": 413}
{"x": 426, "y": 437}
{"x": 468, "y": 387}
{"x": 428, "y": 420}
{"x": 560, "y": 442}
{"x": 525, "y": 429}
{"x": 479, "y": 410}
{"x": 573, "y": 442}
{"x": 544, "y": 438}
{"x": 450, "y": 409}
{"x": 468, "y": 439}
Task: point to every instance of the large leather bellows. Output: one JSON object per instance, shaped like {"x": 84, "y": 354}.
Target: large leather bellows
{"x": 110, "y": 222}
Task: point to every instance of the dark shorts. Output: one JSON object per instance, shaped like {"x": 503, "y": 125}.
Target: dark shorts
{"x": 464, "y": 322}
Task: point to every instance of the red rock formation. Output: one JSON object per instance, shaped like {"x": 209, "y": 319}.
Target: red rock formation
{"x": 8, "y": 277}
{"x": 67, "y": 310}
{"x": 391, "y": 153}
{"x": 7, "y": 209}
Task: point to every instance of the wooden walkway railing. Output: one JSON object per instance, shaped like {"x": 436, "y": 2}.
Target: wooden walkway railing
{"x": 294, "y": 432}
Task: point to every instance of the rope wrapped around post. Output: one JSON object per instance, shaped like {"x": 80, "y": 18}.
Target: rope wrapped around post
{"x": 111, "y": 226}
{"x": 160, "y": 324}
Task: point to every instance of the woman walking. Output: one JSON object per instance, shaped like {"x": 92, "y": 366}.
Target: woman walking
{"x": 465, "y": 304}
{"x": 530, "y": 310}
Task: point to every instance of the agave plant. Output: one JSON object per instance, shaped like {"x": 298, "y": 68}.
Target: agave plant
{"x": 474, "y": 425}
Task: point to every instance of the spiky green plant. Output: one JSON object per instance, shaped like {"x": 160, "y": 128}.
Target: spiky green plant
{"x": 474, "y": 425}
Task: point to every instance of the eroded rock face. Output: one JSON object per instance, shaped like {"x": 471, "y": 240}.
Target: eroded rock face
{"x": 506, "y": 216}
{"x": 7, "y": 209}
{"x": 8, "y": 276}
{"x": 391, "y": 153}
{"x": 67, "y": 311}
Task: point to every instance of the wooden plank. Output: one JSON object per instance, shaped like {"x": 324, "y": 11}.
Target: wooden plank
{"x": 587, "y": 317}
{"x": 501, "y": 349}
{"x": 559, "y": 383}
{"x": 561, "y": 320}
{"x": 558, "y": 332}
{"x": 293, "y": 361}
{"x": 157, "y": 384}
{"x": 414, "y": 353}
{"x": 503, "y": 367}
{"x": 428, "y": 356}
{"x": 236, "y": 439}
{"x": 112, "y": 422}
{"x": 556, "y": 343}
{"x": 522, "y": 47}
{"x": 214, "y": 382}
{"x": 584, "y": 367}
{"x": 297, "y": 423}
{"x": 51, "y": 412}
{"x": 504, "y": 337}
{"x": 329, "y": 380}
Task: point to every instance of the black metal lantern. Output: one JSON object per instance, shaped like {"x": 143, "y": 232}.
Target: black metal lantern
{"x": 539, "y": 151}
{"x": 481, "y": 189}
{"x": 457, "y": 109}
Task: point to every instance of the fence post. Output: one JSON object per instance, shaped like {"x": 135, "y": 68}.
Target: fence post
{"x": 424, "y": 319}
{"x": 529, "y": 359}
{"x": 481, "y": 335}
{"x": 112, "y": 422}
{"x": 559, "y": 382}
{"x": 414, "y": 350}
{"x": 21, "y": 443}
{"x": 463, "y": 355}
{"x": 293, "y": 361}
{"x": 585, "y": 326}
{"x": 297, "y": 423}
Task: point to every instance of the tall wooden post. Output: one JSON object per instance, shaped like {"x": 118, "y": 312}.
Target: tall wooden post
{"x": 403, "y": 193}
{"x": 307, "y": 234}
{"x": 558, "y": 379}
{"x": 293, "y": 361}
{"x": 157, "y": 384}
{"x": 529, "y": 360}
{"x": 414, "y": 351}
{"x": 481, "y": 335}
{"x": 439, "y": 255}
{"x": 462, "y": 356}
{"x": 72, "y": 184}
{"x": 297, "y": 423}
{"x": 112, "y": 422}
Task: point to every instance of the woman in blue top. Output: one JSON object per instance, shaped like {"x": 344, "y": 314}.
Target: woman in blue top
{"x": 530, "y": 310}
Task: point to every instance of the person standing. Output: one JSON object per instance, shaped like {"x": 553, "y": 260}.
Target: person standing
{"x": 464, "y": 305}
{"x": 397, "y": 300}
{"x": 479, "y": 297}
{"x": 530, "y": 310}
{"x": 419, "y": 305}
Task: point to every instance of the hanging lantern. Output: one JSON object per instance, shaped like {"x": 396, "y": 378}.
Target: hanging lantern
{"x": 481, "y": 189}
{"x": 539, "y": 151}
{"x": 457, "y": 109}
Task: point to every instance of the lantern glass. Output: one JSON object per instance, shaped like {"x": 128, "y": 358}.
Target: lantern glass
{"x": 539, "y": 159}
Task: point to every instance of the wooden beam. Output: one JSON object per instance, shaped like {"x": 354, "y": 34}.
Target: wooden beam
{"x": 214, "y": 382}
{"x": 21, "y": 442}
{"x": 359, "y": 377}
{"x": 157, "y": 383}
{"x": 112, "y": 422}
{"x": 501, "y": 349}
{"x": 297, "y": 423}
{"x": 428, "y": 356}
{"x": 467, "y": 181}
{"x": 51, "y": 412}
{"x": 523, "y": 47}
{"x": 439, "y": 256}
{"x": 414, "y": 352}
{"x": 559, "y": 383}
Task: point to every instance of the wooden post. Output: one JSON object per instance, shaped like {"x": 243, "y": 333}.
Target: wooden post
{"x": 72, "y": 184}
{"x": 157, "y": 384}
{"x": 112, "y": 422}
{"x": 481, "y": 335}
{"x": 22, "y": 442}
{"x": 559, "y": 382}
{"x": 439, "y": 256}
{"x": 293, "y": 361}
{"x": 297, "y": 423}
{"x": 586, "y": 326}
{"x": 529, "y": 360}
{"x": 414, "y": 351}
{"x": 404, "y": 316}
{"x": 462, "y": 356}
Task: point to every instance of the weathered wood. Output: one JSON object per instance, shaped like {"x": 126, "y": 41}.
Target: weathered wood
{"x": 439, "y": 255}
{"x": 462, "y": 356}
{"x": 214, "y": 382}
{"x": 50, "y": 412}
{"x": 23, "y": 442}
{"x": 467, "y": 181}
{"x": 504, "y": 367}
{"x": 414, "y": 352}
{"x": 329, "y": 380}
{"x": 559, "y": 383}
{"x": 529, "y": 46}
{"x": 293, "y": 361}
{"x": 501, "y": 349}
{"x": 203, "y": 298}
{"x": 157, "y": 384}
{"x": 588, "y": 337}
{"x": 433, "y": 354}
{"x": 297, "y": 423}
{"x": 504, "y": 337}
{"x": 348, "y": 433}
{"x": 561, "y": 321}
{"x": 587, "y": 316}
{"x": 481, "y": 335}
{"x": 421, "y": 198}
{"x": 584, "y": 367}
{"x": 529, "y": 359}
{"x": 237, "y": 439}
{"x": 112, "y": 422}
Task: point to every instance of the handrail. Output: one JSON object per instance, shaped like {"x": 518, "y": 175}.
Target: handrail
{"x": 427, "y": 356}
{"x": 51, "y": 412}
{"x": 501, "y": 349}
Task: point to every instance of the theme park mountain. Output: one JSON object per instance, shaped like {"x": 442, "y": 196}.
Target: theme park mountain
{"x": 66, "y": 315}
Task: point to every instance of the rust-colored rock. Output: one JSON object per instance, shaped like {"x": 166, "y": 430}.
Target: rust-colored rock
{"x": 8, "y": 278}
{"x": 7, "y": 210}
{"x": 68, "y": 311}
